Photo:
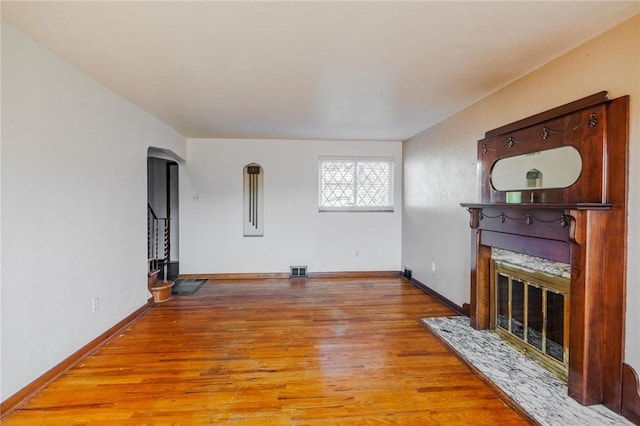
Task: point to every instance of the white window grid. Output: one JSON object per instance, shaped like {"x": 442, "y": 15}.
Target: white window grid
{"x": 355, "y": 184}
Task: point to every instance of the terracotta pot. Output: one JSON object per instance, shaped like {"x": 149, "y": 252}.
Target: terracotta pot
{"x": 162, "y": 291}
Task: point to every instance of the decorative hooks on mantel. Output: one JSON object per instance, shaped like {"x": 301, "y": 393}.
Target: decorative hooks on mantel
{"x": 543, "y": 134}
{"x": 529, "y": 219}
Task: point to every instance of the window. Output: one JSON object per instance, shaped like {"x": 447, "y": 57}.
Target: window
{"x": 364, "y": 184}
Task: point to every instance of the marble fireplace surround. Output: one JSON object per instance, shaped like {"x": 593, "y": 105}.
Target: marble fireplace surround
{"x": 533, "y": 263}
{"x": 528, "y": 387}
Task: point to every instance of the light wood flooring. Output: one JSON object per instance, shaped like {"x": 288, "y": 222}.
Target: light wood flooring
{"x": 276, "y": 352}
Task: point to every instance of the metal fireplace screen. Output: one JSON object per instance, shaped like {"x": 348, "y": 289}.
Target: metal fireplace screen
{"x": 530, "y": 310}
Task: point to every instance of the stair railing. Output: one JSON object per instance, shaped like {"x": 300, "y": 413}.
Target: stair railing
{"x": 157, "y": 246}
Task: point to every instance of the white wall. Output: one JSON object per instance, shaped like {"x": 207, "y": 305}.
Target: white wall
{"x": 212, "y": 241}
{"x": 74, "y": 170}
{"x": 440, "y": 163}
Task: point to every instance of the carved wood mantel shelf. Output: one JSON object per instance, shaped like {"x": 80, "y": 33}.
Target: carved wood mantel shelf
{"x": 539, "y": 206}
{"x": 583, "y": 224}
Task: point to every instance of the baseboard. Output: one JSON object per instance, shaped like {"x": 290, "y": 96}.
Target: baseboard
{"x": 285, "y": 275}
{"x": 16, "y": 400}
{"x": 235, "y": 276}
{"x": 630, "y": 394}
{"x": 440, "y": 298}
{"x": 355, "y": 274}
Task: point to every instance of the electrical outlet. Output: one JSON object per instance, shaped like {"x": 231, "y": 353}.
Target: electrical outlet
{"x": 95, "y": 304}
{"x": 433, "y": 266}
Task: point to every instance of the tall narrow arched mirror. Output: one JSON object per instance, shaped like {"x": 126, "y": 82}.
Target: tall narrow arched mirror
{"x": 253, "y": 194}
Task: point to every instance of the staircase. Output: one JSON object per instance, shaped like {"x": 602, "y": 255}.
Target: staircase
{"x": 158, "y": 256}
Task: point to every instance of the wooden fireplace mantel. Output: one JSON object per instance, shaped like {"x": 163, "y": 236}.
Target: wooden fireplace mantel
{"x": 583, "y": 224}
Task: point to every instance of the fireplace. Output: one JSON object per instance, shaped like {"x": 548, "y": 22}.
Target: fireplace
{"x": 530, "y": 308}
{"x": 573, "y": 323}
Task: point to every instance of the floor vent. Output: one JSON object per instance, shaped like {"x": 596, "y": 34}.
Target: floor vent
{"x": 407, "y": 274}
{"x": 298, "y": 272}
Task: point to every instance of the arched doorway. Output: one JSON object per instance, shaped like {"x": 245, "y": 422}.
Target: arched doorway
{"x": 163, "y": 213}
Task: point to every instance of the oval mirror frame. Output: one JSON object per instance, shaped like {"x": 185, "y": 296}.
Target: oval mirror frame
{"x": 553, "y": 168}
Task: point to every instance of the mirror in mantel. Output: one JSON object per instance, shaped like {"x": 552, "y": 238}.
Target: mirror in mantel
{"x": 552, "y": 168}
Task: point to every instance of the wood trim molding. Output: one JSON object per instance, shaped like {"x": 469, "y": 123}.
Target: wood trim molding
{"x": 355, "y": 274}
{"x": 235, "y": 276}
{"x": 630, "y": 394}
{"x": 23, "y": 395}
{"x": 285, "y": 275}
{"x": 440, "y": 298}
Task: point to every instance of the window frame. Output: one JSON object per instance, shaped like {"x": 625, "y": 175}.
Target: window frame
{"x": 357, "y": 159}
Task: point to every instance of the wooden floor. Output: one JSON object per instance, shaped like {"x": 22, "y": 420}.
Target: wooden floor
{"x": 276, "y": 352}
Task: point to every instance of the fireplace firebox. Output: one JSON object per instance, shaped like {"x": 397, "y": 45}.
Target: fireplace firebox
{"x": 530, "y": 310}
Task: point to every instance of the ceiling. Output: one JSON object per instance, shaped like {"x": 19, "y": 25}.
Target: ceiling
{"x": 310, "y": 70}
